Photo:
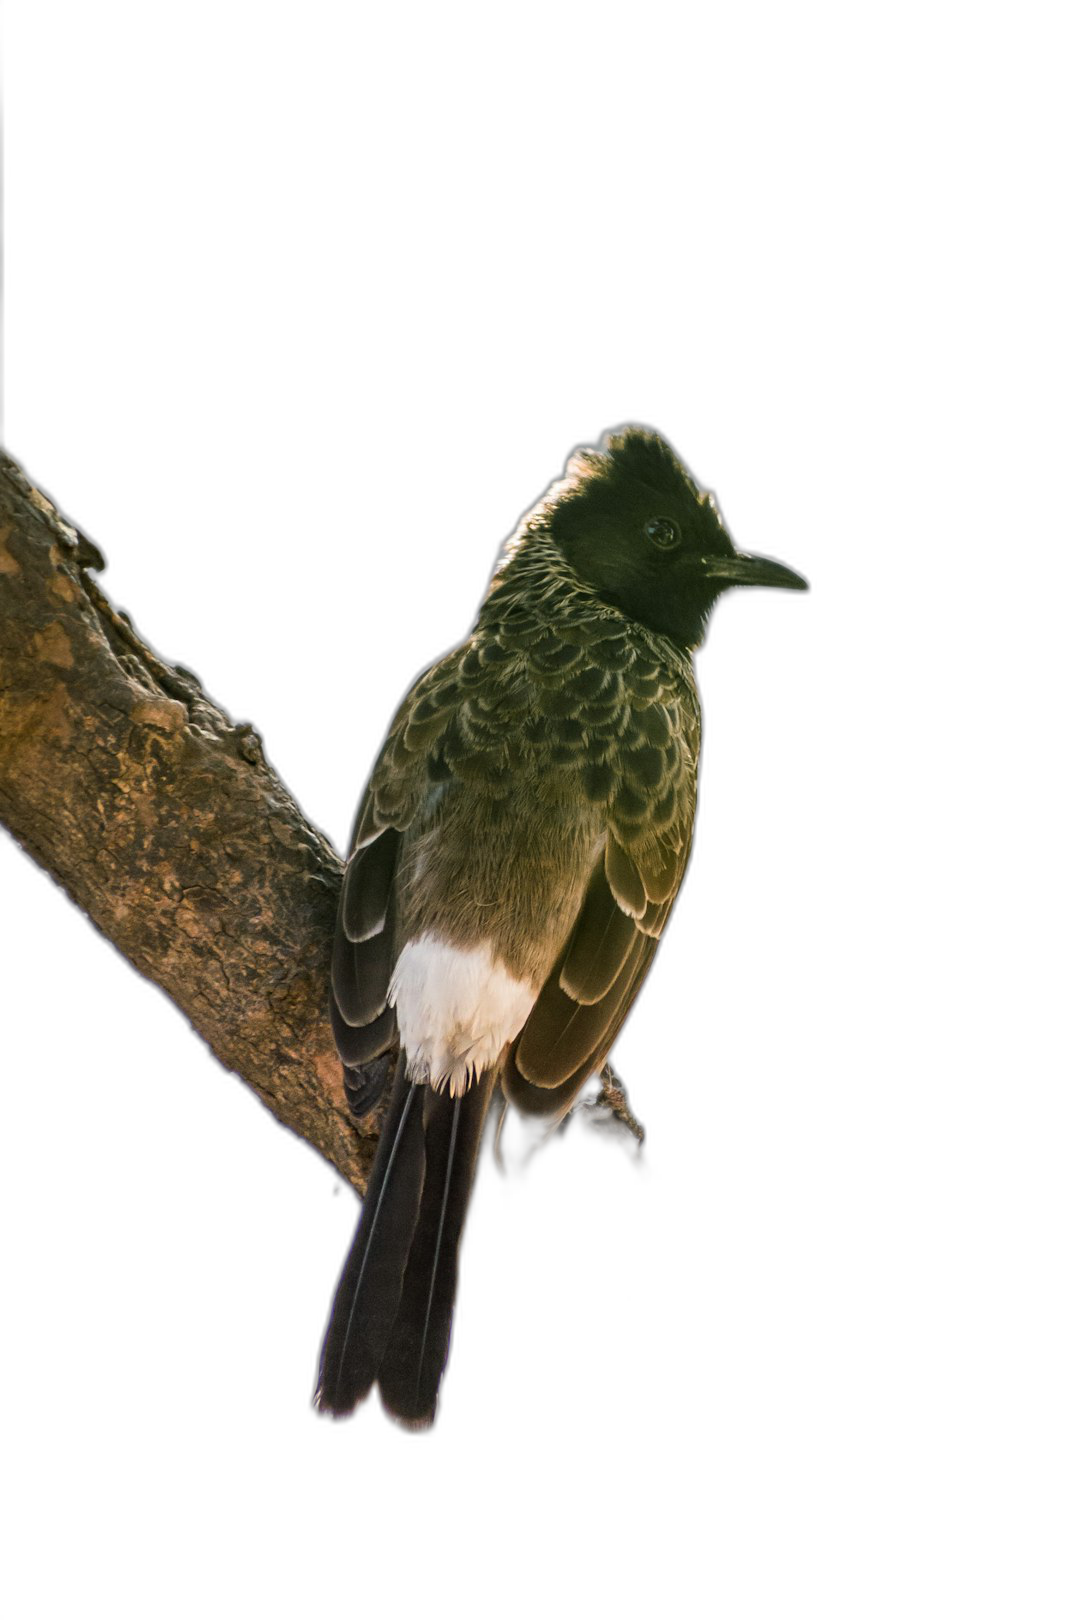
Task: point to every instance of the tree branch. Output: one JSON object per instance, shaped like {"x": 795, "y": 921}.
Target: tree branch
{"x": 165, "y": 824}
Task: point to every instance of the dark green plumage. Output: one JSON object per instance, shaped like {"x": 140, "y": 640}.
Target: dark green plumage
{"x": 534, "y": 800}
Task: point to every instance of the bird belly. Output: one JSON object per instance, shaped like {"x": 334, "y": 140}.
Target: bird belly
{"x": 457, "y": 1008}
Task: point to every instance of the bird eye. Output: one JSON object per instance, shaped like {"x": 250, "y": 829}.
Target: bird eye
{"x": 662, "y": 532}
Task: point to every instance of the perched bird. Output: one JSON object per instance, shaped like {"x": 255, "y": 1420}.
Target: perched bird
{"x": 514, "y": 861}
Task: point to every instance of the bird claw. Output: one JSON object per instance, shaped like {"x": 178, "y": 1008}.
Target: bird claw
{"x": 604, "y": 1107}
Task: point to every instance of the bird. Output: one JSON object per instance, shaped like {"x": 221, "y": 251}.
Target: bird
{"x": 513, "y": 865}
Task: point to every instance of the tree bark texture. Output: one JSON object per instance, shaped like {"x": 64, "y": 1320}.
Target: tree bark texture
{"x": 163, "y": 821}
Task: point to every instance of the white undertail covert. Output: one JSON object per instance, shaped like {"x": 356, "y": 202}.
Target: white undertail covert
{"x": 457, "y": 1008}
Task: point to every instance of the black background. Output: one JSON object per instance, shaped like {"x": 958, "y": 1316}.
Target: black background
{"x": 298, "y": 379}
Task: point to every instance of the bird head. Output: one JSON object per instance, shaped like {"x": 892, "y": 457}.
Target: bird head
{"x": 634, "y": 527}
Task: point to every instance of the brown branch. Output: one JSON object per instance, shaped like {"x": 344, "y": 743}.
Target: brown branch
{"x": 165, "y": 824}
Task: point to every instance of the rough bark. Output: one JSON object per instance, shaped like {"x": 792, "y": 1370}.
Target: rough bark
{"x": 165, "y": 824}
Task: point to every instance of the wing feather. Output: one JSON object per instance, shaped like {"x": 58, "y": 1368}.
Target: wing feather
{"x": 369, "y": 881}
{"x": 599, "y": 946}
{"x": 624, "y": 879}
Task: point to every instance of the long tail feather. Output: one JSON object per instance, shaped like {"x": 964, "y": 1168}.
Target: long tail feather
{"x": 391, "y": 1317}
{"x": 415, "y": 1357}
{"x": 366, "y": 1303}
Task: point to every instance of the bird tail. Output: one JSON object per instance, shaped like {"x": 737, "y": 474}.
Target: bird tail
{"x": 391, "y": 1316}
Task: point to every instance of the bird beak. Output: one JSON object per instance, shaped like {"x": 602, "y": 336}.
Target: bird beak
{"x": 740, "y": 569}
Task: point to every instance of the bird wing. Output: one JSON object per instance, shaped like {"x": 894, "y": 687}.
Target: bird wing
{"x": 650, "y": 790}
{"x": 364, "y": 1025}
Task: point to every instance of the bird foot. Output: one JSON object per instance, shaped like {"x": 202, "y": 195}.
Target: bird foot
{"x": 611, "y": 1104}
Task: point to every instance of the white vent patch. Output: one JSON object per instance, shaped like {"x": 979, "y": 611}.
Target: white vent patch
{"x": 457, "y": 1007}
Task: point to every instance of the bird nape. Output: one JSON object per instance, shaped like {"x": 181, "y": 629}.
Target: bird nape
{"x": 515, "y": 859}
